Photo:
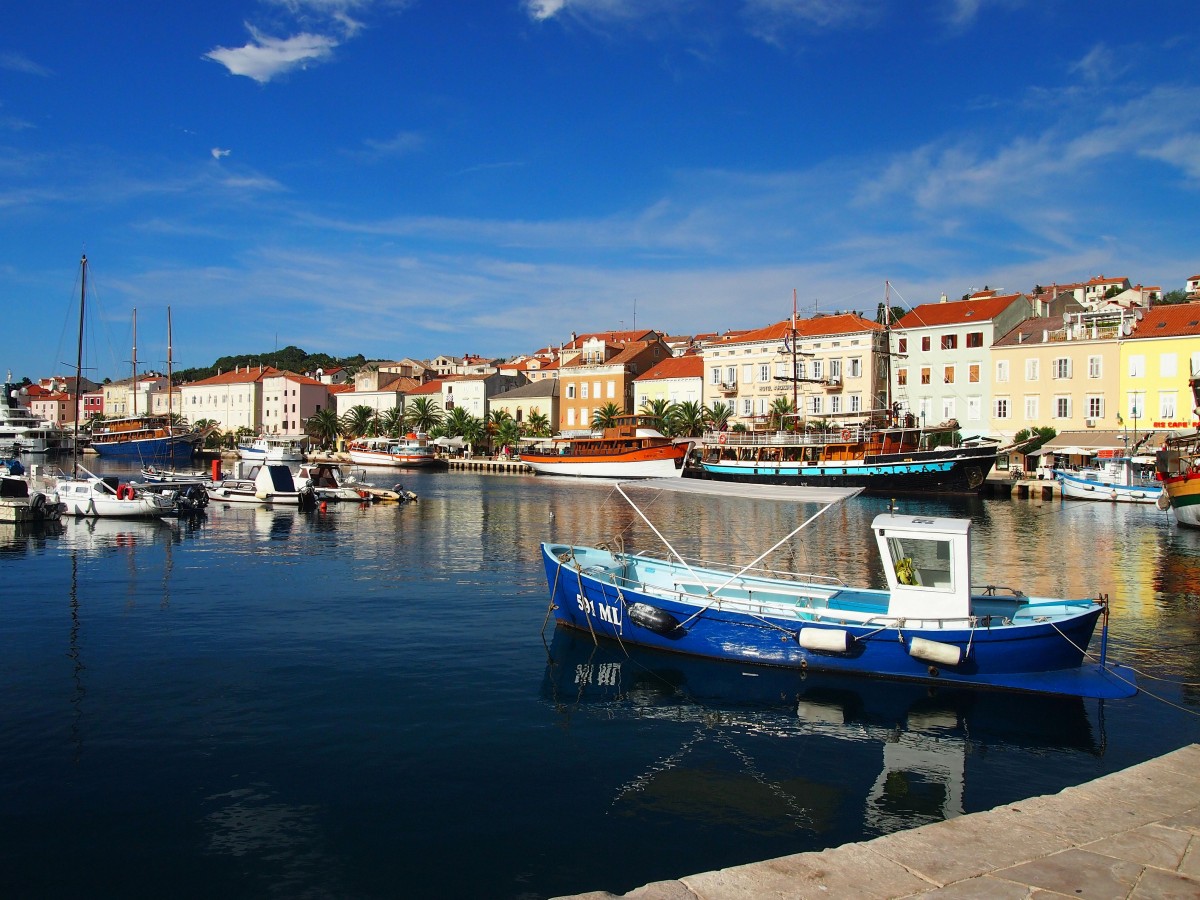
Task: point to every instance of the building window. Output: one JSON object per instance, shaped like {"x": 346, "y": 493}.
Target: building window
{"x": 855, "y": 367}
{"x": 1094, "y": 367}
{"x": 902, "y": 345}
{"x": 748, "y": 373}
{"x": 1137, "y": 366}
{"x": 973, "y": 373}
{"x": 926, "y": 375}
{"x": 1031, "y": 370}
{"x": 1137, "y": 405}
{"x": 855, "y": 403}
{"x": 1002, "y": 371}
{"x": 1060, "y": 369}
{"x": 747, "y": 407}
{"x": 948, "y": 375}
{"x": 764, "y": 373}
{"x": 1095, "y": 407}
{"x": 1166, "y": 405}
{"x": 901, "y": 377}
{"x": 974, "y": 339}
{"x": 817, "y": 369}
{"x": 583, "y": 390}
{"x": 949, "y": 341}
{"x": 1001, "y": 408}
{"x": 926, "y": 343}
{"x": 835, "y": 404}
{"x": 1167, "y": 366}
{"x": 612, "y": 389}
{"x": 1062, "y": 407}
{"x": 974, "y": 405}
{"x": 1031, "y": 409}
{"x": 571, "y": 394}
{"x": 731, "y": 374}
{"x": 835, "y": 369}
{"x": 716, "y": 374}
{"x": 814, "y": 405}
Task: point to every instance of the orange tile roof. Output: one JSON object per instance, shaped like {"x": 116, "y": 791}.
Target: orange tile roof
{"x": 429, "y": 387}
{"x": 956, "y": 312}
{"x": 689, "y": 366}
{"x": 240, "y": 375}
{"x": 840, "y": 323}
{"x": 1175, "y": 320}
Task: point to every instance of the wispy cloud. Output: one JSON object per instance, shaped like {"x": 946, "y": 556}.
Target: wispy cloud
{"x": 263, "y": 58}
{"x": 18, "y": 62}
{"x": 318, "y": 27}
{"x": 400, "y": 144}
{"x": 218, "y": 153}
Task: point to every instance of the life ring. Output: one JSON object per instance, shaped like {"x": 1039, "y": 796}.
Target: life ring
{"x": 846, "y": 434}
{"x": 723, "y": 438}
{"x": 125, "y": 492}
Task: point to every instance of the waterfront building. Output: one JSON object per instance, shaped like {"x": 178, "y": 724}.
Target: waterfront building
{"x": 289, "y": 400}
{"x": 1059, "y": 370}
{"x": 128, "y": 397}
{"x": 1192, "y": 288}
{"x": 472, "y": 392}
{"x": 54, "y": 404}
{"x": 835, "y": 372}
{"x": 941, "y": 353}
{"x": 231, "y": 399}
{"x": 523, "y": 401}
{"x": 599, "y": 369}
{"x": 676, "y": 379}
{"x": 1158, "y": 354}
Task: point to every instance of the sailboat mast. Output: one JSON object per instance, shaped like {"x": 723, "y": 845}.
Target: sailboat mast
{"x": 135, "y": 384}
{"x": 795, "y": 374}
{"x": 169, "y": 369}
{"x": 79, "y": 368}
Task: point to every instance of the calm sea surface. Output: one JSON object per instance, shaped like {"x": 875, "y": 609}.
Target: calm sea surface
{"x": 370, "y": 702}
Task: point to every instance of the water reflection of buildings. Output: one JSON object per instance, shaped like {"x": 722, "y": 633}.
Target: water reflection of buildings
{"x": 898, "y": 752}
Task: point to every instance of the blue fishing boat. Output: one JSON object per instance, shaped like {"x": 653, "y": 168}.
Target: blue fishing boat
{"x": 930, "y": 623}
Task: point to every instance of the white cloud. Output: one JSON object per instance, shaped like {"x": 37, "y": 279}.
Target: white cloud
{"x": 265, "y": 57}
{"x": 18, "y": 62}
{"x": 544, "y": 9}
{"x": 218, "y": 153}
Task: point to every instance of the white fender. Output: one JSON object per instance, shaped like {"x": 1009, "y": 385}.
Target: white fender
{"x": 935, "y": 651}
{"x": 836, "y": 640}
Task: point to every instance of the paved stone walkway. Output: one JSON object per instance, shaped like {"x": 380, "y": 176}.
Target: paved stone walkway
{"x": 1132, "y": 834}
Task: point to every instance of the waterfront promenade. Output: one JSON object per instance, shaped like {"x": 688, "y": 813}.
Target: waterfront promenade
{"x": 1131, "y": 834}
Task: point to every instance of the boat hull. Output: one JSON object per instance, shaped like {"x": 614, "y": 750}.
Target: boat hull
{"x": 398, "y": 460}
{"x": 159, "y": 449}
{"x": 648, "y": 462}
{"x": 951, "y": 471}
{"x": 1041, "y": 657}
{"x": 1089, "y": 489}
{"x": 1184, "y": 494}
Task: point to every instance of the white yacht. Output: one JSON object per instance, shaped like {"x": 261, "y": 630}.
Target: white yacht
{"x": 23, "y": 432}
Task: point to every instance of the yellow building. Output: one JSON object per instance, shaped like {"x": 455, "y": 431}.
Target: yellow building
{"x": 1158, "y": 356}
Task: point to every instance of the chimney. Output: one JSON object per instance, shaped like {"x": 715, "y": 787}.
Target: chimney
{"x": 943, "y": 300}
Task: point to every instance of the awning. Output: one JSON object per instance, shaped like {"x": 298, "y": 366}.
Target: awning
{"x": 1088, "y": 443}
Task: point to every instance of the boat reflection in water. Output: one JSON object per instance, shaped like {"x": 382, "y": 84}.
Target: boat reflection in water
{"x": 894, "y": 754}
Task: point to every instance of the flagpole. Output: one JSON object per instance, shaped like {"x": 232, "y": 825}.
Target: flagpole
{"x": 795, "y": 379}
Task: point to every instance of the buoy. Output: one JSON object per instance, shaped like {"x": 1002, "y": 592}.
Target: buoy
{"x": 935, "y": 651}
{"x": 652, "y": 618}
{"x": 845, "y": 434}
{"x": 324, "y": 506}
{"x": 124, "y": 492}
{"x": 833, "y": 640}
{"x": 1163, "y": 502}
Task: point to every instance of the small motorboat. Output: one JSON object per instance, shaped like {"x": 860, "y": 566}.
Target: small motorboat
{"x": 332, "y": 482}
{"x": 929, "y": 624}
{"x": 270, "y": 483}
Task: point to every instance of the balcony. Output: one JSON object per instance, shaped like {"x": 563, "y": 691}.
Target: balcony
{"x": 833, "y": 384}
{"x": 726, "y": 388}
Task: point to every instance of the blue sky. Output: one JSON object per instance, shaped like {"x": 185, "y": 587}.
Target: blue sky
{"x": 414, "y": 177}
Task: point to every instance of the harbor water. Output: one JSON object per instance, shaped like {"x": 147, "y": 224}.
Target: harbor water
{"x": 373, "y": 701}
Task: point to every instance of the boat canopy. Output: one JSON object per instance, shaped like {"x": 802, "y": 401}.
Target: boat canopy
{"x": 748, "y": 491}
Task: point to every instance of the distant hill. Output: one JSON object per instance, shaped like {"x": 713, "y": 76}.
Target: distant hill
{"x": 293, "y": 359}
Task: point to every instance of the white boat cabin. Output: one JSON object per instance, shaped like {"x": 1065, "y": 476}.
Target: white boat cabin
{"x": 928, "y": 565}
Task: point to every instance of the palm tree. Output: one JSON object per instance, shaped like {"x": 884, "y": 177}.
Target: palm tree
{"x": 687, "y": 419}
{"x": 538, "y": 424}
{"x": 212, "y": 440}
{"x": 456, "y": 421}
{"x": 660, "y": 409}
{"x": 719, "y": 415}
{"x": 324, "y": 427}
{"x": 358, "y": 420}
{"x": 391, "y": 422}
{"x": 780, "y": 410}
{"x": 605, "y": 416}
{"x": 423, "y": 414}
{"x": 509, "y": 433}
{"x": 474, "y": 431}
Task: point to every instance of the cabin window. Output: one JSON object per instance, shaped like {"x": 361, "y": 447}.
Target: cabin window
{"x": 922, "y": 562}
